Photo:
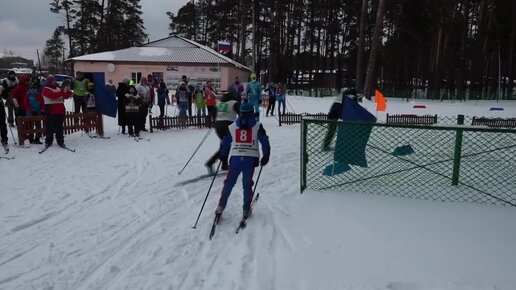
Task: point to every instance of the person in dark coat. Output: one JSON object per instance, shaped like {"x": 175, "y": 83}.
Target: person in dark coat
{"x": 132, "y": 104}
{"x": 121, "y": 91}
{"x": 162, "y": 97}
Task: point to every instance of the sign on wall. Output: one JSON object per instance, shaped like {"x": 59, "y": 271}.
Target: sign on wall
{"x": 198, "y": 76}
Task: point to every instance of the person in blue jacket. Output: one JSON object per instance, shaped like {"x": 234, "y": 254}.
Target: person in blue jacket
{"x": 254, "y": 94}
{"x": 242, "y": 138}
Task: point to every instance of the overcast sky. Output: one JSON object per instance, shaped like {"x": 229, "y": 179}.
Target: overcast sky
{"x": 25, "y": 25}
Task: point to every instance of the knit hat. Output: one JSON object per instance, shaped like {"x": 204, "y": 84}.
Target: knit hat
{"x": 246, "y": 115}
{"x": 246, "y": 107}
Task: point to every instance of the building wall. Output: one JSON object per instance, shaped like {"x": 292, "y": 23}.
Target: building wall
{"x": 243, "y": 75}
{"x": 171, "y": 73}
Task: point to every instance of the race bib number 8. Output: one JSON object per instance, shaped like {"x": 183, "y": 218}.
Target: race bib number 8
{"x": 244, "y": 136}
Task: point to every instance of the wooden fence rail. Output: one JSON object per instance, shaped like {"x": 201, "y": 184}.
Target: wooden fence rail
{"x": 411, "y": 119}
{"x": 291, "y": 118}
{"x": 89, "y": 121}
{"x": 167, "y": 122}
{"x": 494, "y": 122}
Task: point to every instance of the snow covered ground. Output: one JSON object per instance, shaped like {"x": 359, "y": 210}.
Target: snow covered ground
{"x": 111, "y": 216}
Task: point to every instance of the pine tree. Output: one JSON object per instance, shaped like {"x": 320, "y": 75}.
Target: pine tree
{"x": 186, "y": 22}
{"x": 54, "y": 49}
{"x": 56, "y": 6}
{"x": 100, "y": 25}
{"x": 132, "y": 31}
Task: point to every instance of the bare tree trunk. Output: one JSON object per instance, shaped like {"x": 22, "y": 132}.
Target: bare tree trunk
{"x": 69, "y": 31}
{"x": 511, "y": 63}
{"x": 312, "y": 40}
{"x": 299, "y": 34}
{"x": 461, "y": 90}
{"x": 479, "y": 57}
{"x": 241, "y": 51}
{"x": 375, "y": 47}
{"x": 359, "y": 84}
{"x": 101, "y": 29}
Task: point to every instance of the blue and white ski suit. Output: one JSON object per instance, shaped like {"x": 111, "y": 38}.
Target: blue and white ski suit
{"x": 245, "y": 156}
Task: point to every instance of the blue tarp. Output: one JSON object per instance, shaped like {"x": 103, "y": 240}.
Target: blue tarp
{"x": 352, "y": 138}
{"x": 403, "y": 150}
{"x": 105, "y": 103}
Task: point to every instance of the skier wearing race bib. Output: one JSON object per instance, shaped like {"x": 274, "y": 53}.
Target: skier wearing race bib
{"x": 254, "y": 94}
{"x": 242, "y": 138}
{"x": 227, "y": 111}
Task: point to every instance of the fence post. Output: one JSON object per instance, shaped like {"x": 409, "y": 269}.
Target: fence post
{"x": 150, "y": 123}
{"x": 458, "y": 151}
{"x": 21, "y": 130}
{"x": 100, "y": 125}
{"x": 303, "y": 155}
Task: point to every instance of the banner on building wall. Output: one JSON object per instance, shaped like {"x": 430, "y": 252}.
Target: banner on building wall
{"x": 157, "y": 76}
{"x": 196, "y": 77}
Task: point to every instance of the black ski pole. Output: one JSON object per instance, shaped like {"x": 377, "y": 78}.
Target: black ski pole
{"x": 290, "y": 106}
{"x": 14, "y": 139}
{"x": 198, "y": 146}
{"x": 256, "y": 184}
{"x": 207, "y": 194}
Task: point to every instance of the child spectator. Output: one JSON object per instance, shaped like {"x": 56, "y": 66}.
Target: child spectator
{"x": 280, "y": 97}
{"x": 182, "y": 99}
{"x": 200, "y": 103}
{"x": 33, "y": 105}
{"x": 90, "y": 98}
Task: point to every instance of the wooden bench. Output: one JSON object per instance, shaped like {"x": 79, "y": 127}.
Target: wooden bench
{"x": 494, "y": 122}
{"x": 409, "y": 119}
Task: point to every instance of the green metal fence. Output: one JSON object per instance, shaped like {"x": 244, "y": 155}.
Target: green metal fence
{"x": 443, "y": 163}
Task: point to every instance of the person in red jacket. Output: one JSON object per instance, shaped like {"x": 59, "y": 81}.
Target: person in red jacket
{"x": 53, "y": 98}
{"x": 19, "y": 93}
{"x": 211, "y": 102}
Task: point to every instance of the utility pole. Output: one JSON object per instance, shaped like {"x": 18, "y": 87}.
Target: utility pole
{"x": 253, "y": 66}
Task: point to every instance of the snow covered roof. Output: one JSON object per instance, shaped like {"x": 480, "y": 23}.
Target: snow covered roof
{"x": 172, "y": 49}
